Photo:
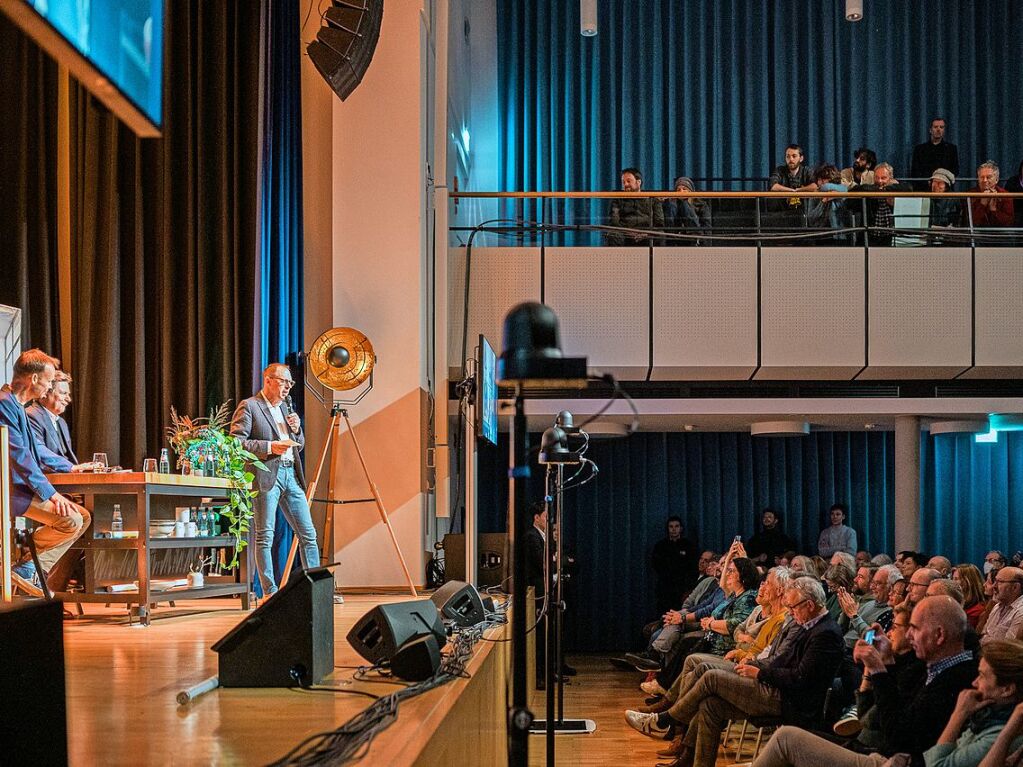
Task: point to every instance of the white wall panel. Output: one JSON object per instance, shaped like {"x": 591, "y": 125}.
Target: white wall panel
{"x": 501, "y": 278}
{"x": 705, "y": 313}
{"x": 602, "y": 299}
{"x": 999, "y": 331}
{"x": 920, "y": 302}
{"x": 812, "y": 313}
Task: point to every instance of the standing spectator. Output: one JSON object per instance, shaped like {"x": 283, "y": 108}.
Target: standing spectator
{"x": 989, "y": 211}
{"x": 674, "y": 562}
{"x": 634, "y": 212}
{"x": 770, "y": 542}
{"x": 1006, "y": 618}
{"x": 837, "y": 536}
{"x": 862, "y": 169}
{"x": 934, "y": 153}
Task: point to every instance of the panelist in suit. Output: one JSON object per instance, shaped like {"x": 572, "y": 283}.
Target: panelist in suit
{"x": 53, "y": 438}
{"x": 32, "y": 495}
{"x": 272, "y": 431}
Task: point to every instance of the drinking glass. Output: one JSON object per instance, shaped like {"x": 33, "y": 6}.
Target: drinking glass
{"x": 101, "y": 460}
{"x": 149, "y": 466}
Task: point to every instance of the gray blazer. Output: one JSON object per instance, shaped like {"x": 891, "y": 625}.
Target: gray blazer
{"x": 253, "y": 424}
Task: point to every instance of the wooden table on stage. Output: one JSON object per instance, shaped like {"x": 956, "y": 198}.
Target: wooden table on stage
{"x": 146, "y": 497}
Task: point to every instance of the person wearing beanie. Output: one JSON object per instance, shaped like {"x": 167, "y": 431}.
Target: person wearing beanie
{"x": 686, "y": 214}
{"x": 943, "y": 212}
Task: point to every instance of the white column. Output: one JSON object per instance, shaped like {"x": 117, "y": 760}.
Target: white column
{"x": 907, "y": 482}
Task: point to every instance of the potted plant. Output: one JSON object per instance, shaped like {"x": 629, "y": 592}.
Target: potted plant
{"x": 192, "y": 439}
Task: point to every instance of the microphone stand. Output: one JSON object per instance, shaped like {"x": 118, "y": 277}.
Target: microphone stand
{"x": 519, "y": 717}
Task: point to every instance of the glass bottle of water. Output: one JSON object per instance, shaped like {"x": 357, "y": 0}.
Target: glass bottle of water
{"x": 116, "y": 521}
{"x": 204, "y": 529}
{"x": 164, "y": 462}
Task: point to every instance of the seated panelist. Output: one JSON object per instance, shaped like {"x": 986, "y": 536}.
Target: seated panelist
{"x": 53, "y": 438}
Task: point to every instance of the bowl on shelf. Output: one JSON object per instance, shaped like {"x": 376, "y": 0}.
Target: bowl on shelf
{"x": 162, "y": 528}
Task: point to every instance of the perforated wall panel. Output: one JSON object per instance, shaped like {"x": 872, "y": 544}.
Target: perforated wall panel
{"x": 812, "y": 313}
{"x": 999, "y": 332}
{"x": 920, "y": 306}
{"x": 501, "y": 278}
{"x": 602, "y": 299}
{"x": 704, "y": 313}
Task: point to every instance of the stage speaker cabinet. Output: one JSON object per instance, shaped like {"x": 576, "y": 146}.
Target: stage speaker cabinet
{"x": 382, "y": 631}
{"x": 288, "y": 641}
{"x": 417, "y": 659}
{"x": 33, "y": 726}
{"x": 459, "y": 602}
{"x": 345, "y": 43}
{"x": 491, "y": 553}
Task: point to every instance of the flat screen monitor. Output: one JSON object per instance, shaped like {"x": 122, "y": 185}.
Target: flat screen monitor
{"x": 486, "y": 392}
{"x": 113, "y": 47}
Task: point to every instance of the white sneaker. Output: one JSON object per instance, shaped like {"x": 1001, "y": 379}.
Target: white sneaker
{"x": 653, "y": 687}
{"x": 645, "y": 723}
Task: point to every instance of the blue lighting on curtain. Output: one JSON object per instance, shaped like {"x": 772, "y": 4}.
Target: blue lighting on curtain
{"x": 718, "y": 483}
{"x": 281, "y": 205}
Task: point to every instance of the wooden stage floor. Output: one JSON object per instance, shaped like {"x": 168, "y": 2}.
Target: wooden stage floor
{"x": 122, "y": 681}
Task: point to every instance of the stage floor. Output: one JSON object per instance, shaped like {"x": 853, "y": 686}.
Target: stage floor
{"x": 122, "y": 681}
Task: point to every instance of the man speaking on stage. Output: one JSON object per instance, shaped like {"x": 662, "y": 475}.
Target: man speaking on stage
{"x": 272, "y": 431}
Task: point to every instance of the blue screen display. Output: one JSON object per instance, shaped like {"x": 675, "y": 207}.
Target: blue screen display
{"x": 123, "y": 39}
{"x": 486, "y": 393}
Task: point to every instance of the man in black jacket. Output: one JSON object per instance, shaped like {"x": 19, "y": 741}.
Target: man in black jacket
{"x": 909, "y": 719}
{"x": 771, "y": 542}
{"x": 933, "y": 154}
{"x": 791, "y": 684}
{"x": 674, "y": 560}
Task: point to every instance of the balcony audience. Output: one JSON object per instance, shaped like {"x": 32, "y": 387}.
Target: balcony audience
{"x": 640, "y": 213}
{"x": 934, "y": 153}
{"x": 993, "y": 210}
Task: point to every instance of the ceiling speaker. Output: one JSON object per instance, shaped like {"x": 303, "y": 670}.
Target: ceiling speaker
{"x": 345, "y": 43}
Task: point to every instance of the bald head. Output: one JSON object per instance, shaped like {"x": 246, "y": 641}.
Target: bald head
{"x": 942, "y": 565}
{"x": 918, "y": 583}
{"x": 936, "y": 628}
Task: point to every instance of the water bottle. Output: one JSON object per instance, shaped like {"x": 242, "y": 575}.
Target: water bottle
{"x": 211, "y": 464}
{"x": 214, "y": 523}
{"x": 116, "y": 522}
{"x": 164, "y": 462}
{"x": 204, "y": 529}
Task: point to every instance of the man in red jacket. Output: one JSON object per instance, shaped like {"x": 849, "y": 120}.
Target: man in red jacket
{"x": 993, "y": 210}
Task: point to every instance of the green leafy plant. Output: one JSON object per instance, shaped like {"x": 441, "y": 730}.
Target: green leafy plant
{"x": 194, "y": 438}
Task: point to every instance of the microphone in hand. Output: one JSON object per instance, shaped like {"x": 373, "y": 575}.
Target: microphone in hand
{"x": 291, "y": 416}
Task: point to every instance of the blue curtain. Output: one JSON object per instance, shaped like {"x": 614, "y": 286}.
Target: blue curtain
{"x": 281, "y": 205}
{"x": 718, "y": 88}
{"x": 717, "y": 483}
{"x": 971, "y": 495}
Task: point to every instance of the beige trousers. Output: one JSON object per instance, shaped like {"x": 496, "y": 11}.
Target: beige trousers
{"x": 57, "y": 533}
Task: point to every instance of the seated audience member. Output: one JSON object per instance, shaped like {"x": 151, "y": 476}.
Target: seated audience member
{"x": 686, "y": 214}
{"x": 989, "y": 211}
{"x": 739, "y": 581}
{"x": 32, "y": 496}
{"x": 862, "y": 169}
{"x": 942, "y": 564}
{"x": 943, "y": 212}
{"x": 863, "y": 559}
{"x": 994, "y": 560}
{"x": 822, "y": 212}
{"x": 1006, "y": 618}
{"x": 634, "y": 212}
{"x": 793, "y": 176}
{"x": 848, "y": 561}
{"x": 910, "y": 561}
{"x": 983, "y": 713}
{"x": 770, "y": 542}
{"x": 897, "y": 593}
{"x": 861, "y": 580}
{"x": 972, "y": 583}
{"x": 705, "y": 596}
{"x": 858, "y": 615}
{"x": 837, "y": 536}
{"x": 820, "y": 565}
{"x": 674, "y": 562}
{"x": 880, "y": 560}
{"x": 918, "y": 583}
{"x": 1015, "y": 185}
{"x": 53, "y": 438}
{"x": 803, "y": 565}
{"x": 946, "y": 587}
{"x": 881, "y": 210}
{"x": 837, "y": 579}
{"x": 1007, "y": 751}
{"x": 909, "y": 720}
{"x": 791, "y": 684}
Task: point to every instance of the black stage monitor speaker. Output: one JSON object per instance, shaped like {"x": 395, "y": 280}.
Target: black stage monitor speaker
{"x": 418, "y": 659}
{"x": 492, "y": 560}
{"x": 382, "y": 631}
{"x": 288, "y": 640}
{"x": 459, "y": 602}
{"x": 33, "y": 726}
{"x": 344, "y": 46}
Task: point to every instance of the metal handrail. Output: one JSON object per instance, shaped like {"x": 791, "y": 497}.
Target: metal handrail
{"x": 713, "y": 195}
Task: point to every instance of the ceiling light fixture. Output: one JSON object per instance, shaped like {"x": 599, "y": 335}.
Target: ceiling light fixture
{"x": 853, "y": 10}
{"x": 588, "y": 18}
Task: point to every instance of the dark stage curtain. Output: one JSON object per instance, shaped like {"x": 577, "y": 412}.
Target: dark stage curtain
{"x": 280, "y": 210}
{"x": 717, "y": 483}
{"x": 718, "y": 88}
{"x": 28, "y": 187}
{"x": 971, "y": 497}
{"x": 164, "y": 242}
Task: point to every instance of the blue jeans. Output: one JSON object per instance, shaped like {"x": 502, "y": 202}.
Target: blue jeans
{"x": 291, "y": 497}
